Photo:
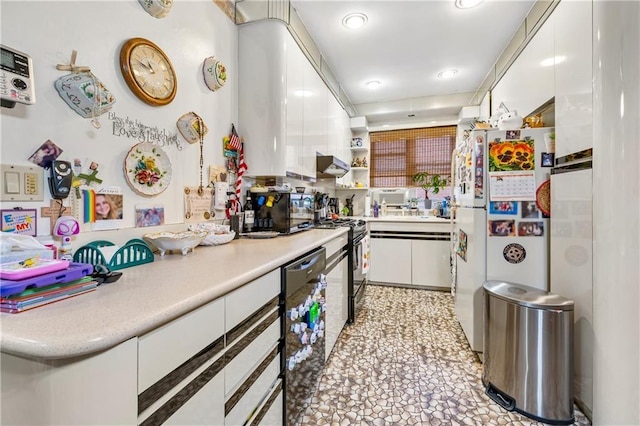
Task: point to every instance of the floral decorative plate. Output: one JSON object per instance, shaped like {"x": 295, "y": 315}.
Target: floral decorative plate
{"x": 215, "y": 73}
{"x": 147, "y": 169}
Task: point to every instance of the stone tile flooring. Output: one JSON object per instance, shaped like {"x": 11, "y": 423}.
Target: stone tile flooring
{"x": 405, "y": 361}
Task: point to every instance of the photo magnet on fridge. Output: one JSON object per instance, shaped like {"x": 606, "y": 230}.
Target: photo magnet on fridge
{"x": 546, "y": 159}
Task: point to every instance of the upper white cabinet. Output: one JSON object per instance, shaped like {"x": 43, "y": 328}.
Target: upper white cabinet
{"x": 573, "y": 77}
{"x": 284, "y": 105}
{"x": 295, "y": 113}
{"x": 529, "y": 82}
{"x": 262, "y": 96}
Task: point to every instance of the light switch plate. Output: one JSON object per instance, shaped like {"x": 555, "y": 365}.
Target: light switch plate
{"x": 21, "y": 183}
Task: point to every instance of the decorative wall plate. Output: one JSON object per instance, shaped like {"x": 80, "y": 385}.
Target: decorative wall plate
{"x": 189, "y": 127}
{"x": 157, "y": 8}
{"x": 215, "y": 73}
{"x": 78, "y": 90}
{"x": 543, "y": 197}
{"x": 147, "y": 169}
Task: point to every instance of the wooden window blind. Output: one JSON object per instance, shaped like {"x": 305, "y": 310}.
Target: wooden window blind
{"x": 397, "y": 155}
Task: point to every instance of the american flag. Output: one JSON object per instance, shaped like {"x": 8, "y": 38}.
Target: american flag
{"x": 234, "y": 204}
{"x": 234, "y": 140}
{"x": 242, "y": 167}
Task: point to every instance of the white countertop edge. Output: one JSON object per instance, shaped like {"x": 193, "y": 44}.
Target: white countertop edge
{"x": 136, "y": 304}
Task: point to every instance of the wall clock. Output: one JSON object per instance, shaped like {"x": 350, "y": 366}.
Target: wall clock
{"x": 148, "y": 72}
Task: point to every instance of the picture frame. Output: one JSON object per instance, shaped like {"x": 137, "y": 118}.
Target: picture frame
{"x": 19, "y": 221}
{"x": 503, "y": 207}
{"x": 547, "y": 159}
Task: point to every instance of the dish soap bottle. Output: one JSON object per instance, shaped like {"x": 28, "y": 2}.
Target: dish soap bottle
{"x": 384, "y": 207}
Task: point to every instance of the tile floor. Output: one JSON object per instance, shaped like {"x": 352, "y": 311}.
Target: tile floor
{"x": 405, "y": 361}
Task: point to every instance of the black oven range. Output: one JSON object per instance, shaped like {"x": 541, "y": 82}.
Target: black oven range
{"x": 357, "y": 279}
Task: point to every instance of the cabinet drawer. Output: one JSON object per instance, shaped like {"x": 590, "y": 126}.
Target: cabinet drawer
{"x": 164, "y": 349}
{"x": 240, "y": 410}
{"x": 203, "y": 408}
{"x": 243, "y": 357}
{"x": 335, "y": 245}
{"x": 272, "y": 411}
{"x": 249, "y": 298}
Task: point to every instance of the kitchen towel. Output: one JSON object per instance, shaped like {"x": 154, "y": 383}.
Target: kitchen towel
{"x": 365, "y": 255}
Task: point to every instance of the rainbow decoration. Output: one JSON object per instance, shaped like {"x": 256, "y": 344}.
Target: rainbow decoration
{"x": 89, "y": 205}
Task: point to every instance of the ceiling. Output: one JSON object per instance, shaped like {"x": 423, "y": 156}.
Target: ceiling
{"x": 404, "y": 45}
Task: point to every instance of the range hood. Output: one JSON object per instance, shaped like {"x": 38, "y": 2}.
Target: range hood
{"x": 328, "y": 166}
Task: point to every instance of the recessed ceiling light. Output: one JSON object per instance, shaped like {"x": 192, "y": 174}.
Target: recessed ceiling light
{"x": 354, "y": 20}
{"x": 552, "y": 61}
{"x": 467, "y": 4}
{"x": 373, "y": 84}
{"x": 447, "y": 74}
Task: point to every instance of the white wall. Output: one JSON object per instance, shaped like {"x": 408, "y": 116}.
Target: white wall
{"x": 49, "y": 30}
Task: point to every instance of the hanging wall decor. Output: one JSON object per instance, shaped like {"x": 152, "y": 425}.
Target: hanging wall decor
{"x": 83, "y": 91}
{"x": 147, "y": 169}
{"x": 215, "y": 73}
{"x": 157, "y": 8}
{"x": 189, "y": 127}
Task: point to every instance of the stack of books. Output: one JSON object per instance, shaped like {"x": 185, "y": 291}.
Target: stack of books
{"x": 36, "y": 282}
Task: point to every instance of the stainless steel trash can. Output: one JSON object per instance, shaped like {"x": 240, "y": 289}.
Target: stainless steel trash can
{"x": 528, "y": 351}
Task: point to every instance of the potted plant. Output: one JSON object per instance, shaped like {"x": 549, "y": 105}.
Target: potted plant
{"x": 430, "y": 181}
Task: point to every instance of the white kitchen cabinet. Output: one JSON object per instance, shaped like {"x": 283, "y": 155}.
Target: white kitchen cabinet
{"x": 203, "y": 367}
{"x": 262, "y": 96}
{"x": 430, "y": 265}
{"x": 295, "y": 62}
{"x": 88, "y": 390}
{"x": 410, "y": 253}
{"x": 529, "y": 81}
{"x": 337, "y": 292}
{"x": 283, "y": 103}
{"x": 201, "y": 408}
{"x": 573, "y": 77}
{"x": 390, "y": 260}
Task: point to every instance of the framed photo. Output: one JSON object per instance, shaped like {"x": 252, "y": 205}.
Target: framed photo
{"x": 530, "y": 229}
{"x": 502, "y": 228}
{"x": 23, "y": 221}
{"x": 503, "y": 207}
{"x": 46, "y": 154}
{"x": 529, "y": 210}
{"x": 513, "y": 134}
{"x": 149, "y": 216}
{"x": 546, "y": 159}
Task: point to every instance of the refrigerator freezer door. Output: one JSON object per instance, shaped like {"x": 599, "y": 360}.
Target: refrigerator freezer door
{"x": 470, "y": 227}
{"x": 469, "y": 176}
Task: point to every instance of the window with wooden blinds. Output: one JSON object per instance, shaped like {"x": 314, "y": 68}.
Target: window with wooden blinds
{"x": 397, "y": 155}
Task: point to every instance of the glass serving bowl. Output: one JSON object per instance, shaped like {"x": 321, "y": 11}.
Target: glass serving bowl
{"x": 174, "y": 241}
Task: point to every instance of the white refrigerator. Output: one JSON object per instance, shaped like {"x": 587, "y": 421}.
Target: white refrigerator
{"x": 501, "y": 198}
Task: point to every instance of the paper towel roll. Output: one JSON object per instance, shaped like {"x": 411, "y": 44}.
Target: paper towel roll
{"x": 367, "y": 206}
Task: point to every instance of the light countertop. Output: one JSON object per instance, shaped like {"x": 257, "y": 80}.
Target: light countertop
{"x": 149, "y": 295}
{"x": 413, "y": 219}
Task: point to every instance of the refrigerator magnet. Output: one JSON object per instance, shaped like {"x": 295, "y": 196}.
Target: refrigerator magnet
{"x": 546, "y": 159}
{"x": 514, "y": 253}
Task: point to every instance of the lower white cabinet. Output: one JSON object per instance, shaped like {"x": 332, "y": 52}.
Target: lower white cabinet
{"x": 204, "y": 407}
{"x": 430, "y": 263}
{"x": 215, "y": 365}
{"x": 337, "y": 292}
{"x": 390, "y": 260}
{"x": 410, "y": 253}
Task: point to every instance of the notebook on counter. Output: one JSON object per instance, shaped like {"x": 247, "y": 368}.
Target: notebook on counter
{"x": 35, "y": 297}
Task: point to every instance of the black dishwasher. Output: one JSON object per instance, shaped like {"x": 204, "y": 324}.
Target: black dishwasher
{"x": 304, "y": 328}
